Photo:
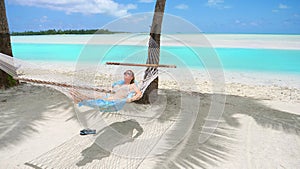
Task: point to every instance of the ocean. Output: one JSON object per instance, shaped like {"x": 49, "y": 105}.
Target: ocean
{"x": 236, "y": 58}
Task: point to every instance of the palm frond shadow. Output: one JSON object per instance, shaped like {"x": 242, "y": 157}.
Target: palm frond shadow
{"x": 189, "y": 153}
{"x": 263, "y": 115}
{"x": 24, "y": 108}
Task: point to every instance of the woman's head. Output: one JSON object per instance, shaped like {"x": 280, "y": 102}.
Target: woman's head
{"x": 129, "y": 76}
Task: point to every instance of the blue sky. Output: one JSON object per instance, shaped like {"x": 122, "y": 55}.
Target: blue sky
{"x": 210, "y": 16}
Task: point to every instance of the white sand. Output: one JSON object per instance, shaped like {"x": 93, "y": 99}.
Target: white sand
{"x": 33, "y": 120}
{"x": 206, "y": 40}
{"x": 259, "y": 127}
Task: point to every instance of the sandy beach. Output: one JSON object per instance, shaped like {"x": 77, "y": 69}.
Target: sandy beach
{"x": 258, "y": 127}
{"x": 193, "y": 40}
{"x": 201, "y": 118}
{"x": 112, "y": 84}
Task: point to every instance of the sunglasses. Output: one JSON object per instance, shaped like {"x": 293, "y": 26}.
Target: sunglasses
{"x": 128, "y": 73}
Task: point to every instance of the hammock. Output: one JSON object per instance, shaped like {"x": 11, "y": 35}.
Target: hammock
{"x": 10, "y": 65}
{"x": 7, "y": 65}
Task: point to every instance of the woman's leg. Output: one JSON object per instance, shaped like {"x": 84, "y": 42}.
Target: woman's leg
{"x": 78, "y": 97}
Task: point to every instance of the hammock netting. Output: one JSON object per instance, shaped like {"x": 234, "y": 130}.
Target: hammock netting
{"x": 35, "y": 73}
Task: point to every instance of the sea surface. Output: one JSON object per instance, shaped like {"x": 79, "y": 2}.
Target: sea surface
{"x": 196, "y": 57}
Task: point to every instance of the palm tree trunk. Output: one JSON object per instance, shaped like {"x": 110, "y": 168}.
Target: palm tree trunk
{"x": 151, "y": 91}
{"x": 6, "y": 80}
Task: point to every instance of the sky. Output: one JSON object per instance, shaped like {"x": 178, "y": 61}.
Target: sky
{"x": 184, "y": 16}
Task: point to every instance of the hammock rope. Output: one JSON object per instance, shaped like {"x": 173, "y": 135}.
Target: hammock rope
{"x": 8, "y": 63}
{"x": 65, "y": 85}
{"x": 142, "y": 65}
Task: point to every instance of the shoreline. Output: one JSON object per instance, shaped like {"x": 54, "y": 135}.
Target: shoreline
{"x": 258, "y": 85}
{"x": 257, "y": 41}
{"x": 279, "y": 78}
{"x": 40, "y": 125}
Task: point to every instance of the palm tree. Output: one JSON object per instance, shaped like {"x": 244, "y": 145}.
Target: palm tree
{"x": 5, "y": 47}
{"x": 154, "y": 35}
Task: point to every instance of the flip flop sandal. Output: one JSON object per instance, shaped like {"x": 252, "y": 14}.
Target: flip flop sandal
{"x": 87, "y": 131}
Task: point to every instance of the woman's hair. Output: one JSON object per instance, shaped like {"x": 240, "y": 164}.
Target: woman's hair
{"x": 130, "y": 72}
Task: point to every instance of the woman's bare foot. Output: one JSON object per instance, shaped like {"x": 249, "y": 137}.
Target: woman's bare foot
{"x": 77, "y": 97}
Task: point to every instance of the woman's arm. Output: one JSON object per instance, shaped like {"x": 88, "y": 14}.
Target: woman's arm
{"x": 137, "y": 95}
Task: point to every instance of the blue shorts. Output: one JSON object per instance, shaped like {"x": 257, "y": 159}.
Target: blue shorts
{"x": 104, "y": 105}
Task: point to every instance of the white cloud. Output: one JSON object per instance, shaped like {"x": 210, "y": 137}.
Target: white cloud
{"x": 237, "y": 21}
{"x": 182, "y": 6}
{"x": 136, "y": 19}
{"x": 109, "y": 7}
{"x": 254, "y": 23}
{"x": 240, "y": 23}
{"x": 282, "y": 6}
{"x": 214, "y": 2}
{"x": 44, "y": 19}
{"x": 132, "y": 23}
{"x": 217, "y": 4}
{"x": 146, "y": 1}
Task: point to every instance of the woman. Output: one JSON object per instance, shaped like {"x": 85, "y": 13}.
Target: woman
{"x": 122, "y": 90}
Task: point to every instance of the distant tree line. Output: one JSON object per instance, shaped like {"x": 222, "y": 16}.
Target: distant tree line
{"x": 60, "y": 32}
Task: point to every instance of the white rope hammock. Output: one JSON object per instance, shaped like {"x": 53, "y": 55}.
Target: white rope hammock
{"x": 10, "y": 65}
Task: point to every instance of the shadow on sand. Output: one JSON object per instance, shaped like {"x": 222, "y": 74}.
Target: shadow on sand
{"x": 18, "y": 121}
{"x": 25, "y": 107}
{"x": 220, "y": 146}
{"x": 108, "y": 138}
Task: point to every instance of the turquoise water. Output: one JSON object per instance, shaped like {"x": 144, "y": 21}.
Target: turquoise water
{"x": 230, "y": 58}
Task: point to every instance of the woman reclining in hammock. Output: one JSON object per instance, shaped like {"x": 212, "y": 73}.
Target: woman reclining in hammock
{"x": 124, "y": 91}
